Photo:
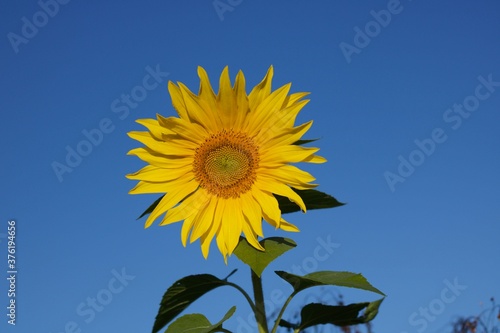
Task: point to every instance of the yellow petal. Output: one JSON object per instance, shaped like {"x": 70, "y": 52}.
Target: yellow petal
{"x": 163, "y": 161}
{"x": 241, "y": 100}
{"x": 185, "y": 129}
{"x": 206, "y": 91}
{"x": 290, "y": 175}
{"x": 285, "y": 118}
{"x": 206, "y": 239}
{"x": 232, "y": 224}
{"x": 196, "y": 112}
{"x": 288, "y": 226}
{"x": 160, "y": 146}
{"x": 154, "y": 127}
{"x": 286, "y": 154}
{"x": 315, "y": 159}
{"x": 151, "y": 173}
{"x": 171, "y": 199}
{"x": 207, "y": 98}
{"x": 186, "y": 208}
{"x": 177, "y": 100}
{"x": 221, "y": 241}
{"x": 261, "y": 91}
{"x": 265, "y": 110}
{"x": 186, "y": 228}
{"x": 226, "y": 100}
{"x": 252, "y": 212}
{"x": 204, "y": 219}
{"x": 269, "y": 206}
{"x": 270, "y": 185}
{"x": 251, "y": 237}
{"x": 147, "y": 187}
{"x": 155, "y": 187}
{"x": 278, "y": 136}
{"x": 294, "y": 98}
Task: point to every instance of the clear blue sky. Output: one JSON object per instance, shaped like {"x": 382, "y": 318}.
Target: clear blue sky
{"x": 405, "y": 97}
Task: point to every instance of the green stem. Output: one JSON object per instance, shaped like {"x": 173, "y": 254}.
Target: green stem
{"x": 248, "y": 298}
{"x": 260, "y": 313}
{"x": 276, "y": 324}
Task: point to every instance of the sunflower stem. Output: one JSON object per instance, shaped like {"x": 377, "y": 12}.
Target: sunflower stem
{"x": 260, "y": 310}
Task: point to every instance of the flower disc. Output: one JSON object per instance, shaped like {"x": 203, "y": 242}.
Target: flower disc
{"x": 225, "y": 164}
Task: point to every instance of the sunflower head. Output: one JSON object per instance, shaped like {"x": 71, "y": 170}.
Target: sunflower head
{"x": 222, "y": 160}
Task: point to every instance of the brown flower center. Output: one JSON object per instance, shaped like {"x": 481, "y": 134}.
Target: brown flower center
{"x": 225, "y": 163}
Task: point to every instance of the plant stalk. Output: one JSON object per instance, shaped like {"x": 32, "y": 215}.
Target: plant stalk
{"x": 276, "y": 323}
{"x": 247, "y": 297}
{"x": 260, "y": 311}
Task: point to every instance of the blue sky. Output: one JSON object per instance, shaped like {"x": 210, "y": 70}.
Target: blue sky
{"x": 405, "y": 98}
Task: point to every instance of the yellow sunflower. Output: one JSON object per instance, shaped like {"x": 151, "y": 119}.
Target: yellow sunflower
{"x": 222, "y": 160}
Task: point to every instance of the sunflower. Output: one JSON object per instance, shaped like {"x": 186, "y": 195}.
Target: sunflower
{"x": 220, "y": 162}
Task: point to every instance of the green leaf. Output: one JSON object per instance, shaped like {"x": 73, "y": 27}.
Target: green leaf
{"x": 197, "y": 323}
{"x": 303, "y": 142}
{"x": 341, "y": 315}
{"x": 258, "y": 260}
{"x": 313, "y": 199}
{"x": 151, "y": 208}
{"x": 181, "y": 294}
{"x": 324, "y": 278}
